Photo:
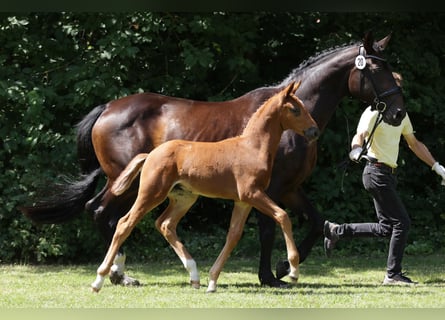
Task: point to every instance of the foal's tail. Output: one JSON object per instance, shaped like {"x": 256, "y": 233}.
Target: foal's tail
{"x": 64, "y": 201}
{"x": 123, "y": 182}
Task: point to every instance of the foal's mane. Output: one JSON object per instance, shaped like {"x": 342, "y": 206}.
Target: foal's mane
{"x": 265, "y": 107}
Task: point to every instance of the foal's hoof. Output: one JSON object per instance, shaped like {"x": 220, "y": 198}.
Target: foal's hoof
{"x": 282, "y": 268}
{"x": 195, "y": 284}
{"x": 294, "y": 280}
{"x": 95, "y": 290}
{"x": 123, "y": 280}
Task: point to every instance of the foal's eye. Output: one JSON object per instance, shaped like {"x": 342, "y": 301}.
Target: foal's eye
{"x": 295, "y": 111}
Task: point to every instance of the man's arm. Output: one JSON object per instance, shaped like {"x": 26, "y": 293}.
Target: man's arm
{"x": 422, "y": 152}
{"x": 356, "y": 145}
{"x": 419, "y": 149}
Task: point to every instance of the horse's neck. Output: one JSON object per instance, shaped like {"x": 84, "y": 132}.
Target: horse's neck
{"x": 325, "y": 83}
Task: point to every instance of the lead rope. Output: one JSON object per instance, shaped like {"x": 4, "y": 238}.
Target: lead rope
{"x": 366, "y": 144}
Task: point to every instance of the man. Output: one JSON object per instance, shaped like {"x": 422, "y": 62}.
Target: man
{"x": 380, "y": 181}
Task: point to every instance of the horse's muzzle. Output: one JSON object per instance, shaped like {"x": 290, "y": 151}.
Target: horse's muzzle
{"x": 311, "y": 134}
{"x": 395, "y": 118}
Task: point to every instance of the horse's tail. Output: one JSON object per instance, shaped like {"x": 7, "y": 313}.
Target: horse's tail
{"x": 67, "y": 200}
{"x": 123, "y": 182}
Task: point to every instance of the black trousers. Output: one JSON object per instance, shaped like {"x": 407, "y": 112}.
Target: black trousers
{"x": 393, "y": 219}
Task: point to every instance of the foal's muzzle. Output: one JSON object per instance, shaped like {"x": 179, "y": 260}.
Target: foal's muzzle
{"x": 311, "y": 134}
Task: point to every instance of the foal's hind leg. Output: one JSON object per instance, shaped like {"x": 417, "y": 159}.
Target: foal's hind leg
{"x": 179, "y": 203}
{"x": 108, "y": 209}
{"x": 239, "y": 216}
{"x": 143, "y": 204}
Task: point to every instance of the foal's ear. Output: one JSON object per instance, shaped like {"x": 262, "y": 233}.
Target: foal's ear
{"x": 291, "y": 88}
{"x": 288, "y": 89}
{"x": 296, "y": 86}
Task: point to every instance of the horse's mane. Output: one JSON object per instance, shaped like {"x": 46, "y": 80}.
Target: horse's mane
{"x": 315, "y": 59}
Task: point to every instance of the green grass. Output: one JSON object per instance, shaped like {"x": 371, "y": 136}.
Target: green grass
{"x": 340, "y": 282}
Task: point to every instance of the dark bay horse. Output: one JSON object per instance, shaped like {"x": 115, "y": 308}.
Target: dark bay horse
{"x": 237, "y": 169}
{"x": 113, "y": 133}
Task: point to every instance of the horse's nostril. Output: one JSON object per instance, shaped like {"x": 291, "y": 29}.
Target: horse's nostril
{"x": 399, "y": 115}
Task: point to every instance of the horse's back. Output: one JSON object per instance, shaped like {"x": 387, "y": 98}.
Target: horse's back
{"x": 140, "y": 122}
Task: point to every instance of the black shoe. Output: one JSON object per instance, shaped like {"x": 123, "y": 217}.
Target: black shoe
{"x": 398, "y": 279}
{"x": 331, "y": 237}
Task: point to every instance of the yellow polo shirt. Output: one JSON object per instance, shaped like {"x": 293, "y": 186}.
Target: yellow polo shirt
{"x": 385, "y": 143}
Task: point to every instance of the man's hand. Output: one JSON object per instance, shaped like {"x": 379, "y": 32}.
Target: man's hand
{"x": 440, "y": 170}
{"x": 355, "y": 154}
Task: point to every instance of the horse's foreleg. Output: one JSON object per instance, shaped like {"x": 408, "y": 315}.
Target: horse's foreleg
{"x": 239, "y": 216}
{"x": 179, "y": 203}
{"x": 264, "y": 204}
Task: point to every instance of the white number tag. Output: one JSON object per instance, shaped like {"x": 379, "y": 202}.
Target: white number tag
{"x": 360, "y": 62}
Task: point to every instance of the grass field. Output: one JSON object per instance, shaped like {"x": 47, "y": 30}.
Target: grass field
{"x": 340, "y": 282}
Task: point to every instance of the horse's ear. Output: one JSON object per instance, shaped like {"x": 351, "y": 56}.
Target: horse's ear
{"x": 374, "y": 47}
{"x": 368, "y": 42}
{"x": 381, "y": 45}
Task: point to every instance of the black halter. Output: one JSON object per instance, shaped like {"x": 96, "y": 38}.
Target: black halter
{"x": 377, "y": 104}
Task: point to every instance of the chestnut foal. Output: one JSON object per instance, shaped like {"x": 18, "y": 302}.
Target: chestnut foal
{"x": 237, "y": 168}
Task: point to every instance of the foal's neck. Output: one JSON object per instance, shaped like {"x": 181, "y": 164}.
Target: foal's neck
{"x": 264, "y": 128}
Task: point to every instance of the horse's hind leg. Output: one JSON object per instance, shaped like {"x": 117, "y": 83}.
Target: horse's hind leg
{"x": 179, "y": 203}
{"x": 239, "y": 216}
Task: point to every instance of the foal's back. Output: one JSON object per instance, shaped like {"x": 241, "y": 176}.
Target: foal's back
{"x": 218, "y": 170}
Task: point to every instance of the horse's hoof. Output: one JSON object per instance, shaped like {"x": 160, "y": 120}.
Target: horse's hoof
{"x": 195, "y": 284}
{"x": 275, "y": 283}
{"x": 282, "y": 268}
{"x": 123, "y": 279}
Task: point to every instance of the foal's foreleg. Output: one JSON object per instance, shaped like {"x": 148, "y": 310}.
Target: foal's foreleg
{"x": 239, "y": 216}
{"x": 264, "y": 204}
{"x": 179, "y": 203}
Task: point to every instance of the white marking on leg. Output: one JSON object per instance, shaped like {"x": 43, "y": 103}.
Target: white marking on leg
{"x": 191, "y": 267}
{"x": 294, "y": 274}
{"x": 98, "y": 283}
{"x": 119, "y": 264}
{"x": 212, "y": 286}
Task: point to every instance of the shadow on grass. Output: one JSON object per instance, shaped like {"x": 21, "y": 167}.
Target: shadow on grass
{"x": 160, "y": 272}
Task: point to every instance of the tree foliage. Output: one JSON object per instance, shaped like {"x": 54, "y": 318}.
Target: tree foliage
{"x": 55, "y": 67}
